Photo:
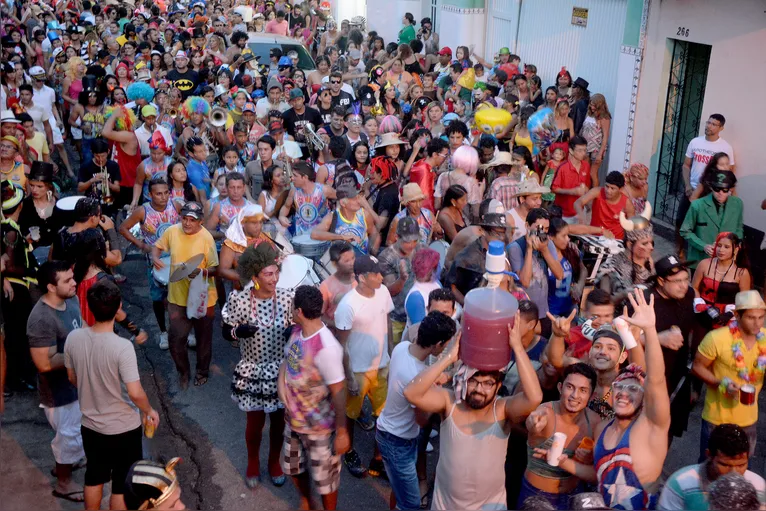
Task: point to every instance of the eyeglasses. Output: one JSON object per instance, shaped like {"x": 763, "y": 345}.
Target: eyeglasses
{"x": 485, "y": 384}
{"x": 334, "y": 82}
{"x": 630, "y": 388}
{"x": 8, "y": 147}
{"x": 714, "y": 124}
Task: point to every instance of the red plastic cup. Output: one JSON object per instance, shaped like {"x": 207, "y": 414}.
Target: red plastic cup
{"x": 747, "y": 395}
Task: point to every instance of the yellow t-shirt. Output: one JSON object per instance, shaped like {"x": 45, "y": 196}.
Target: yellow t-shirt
{"x": 720, "y": 409}
{"x": 40, "y": 146}
{"x": 181, "y": 247}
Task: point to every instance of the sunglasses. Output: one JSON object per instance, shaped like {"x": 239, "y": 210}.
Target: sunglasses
{"x": 722, "y": 190}
{"x": 334, "y": 82}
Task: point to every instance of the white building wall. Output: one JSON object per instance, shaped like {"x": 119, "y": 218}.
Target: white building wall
{"x": 460, "y": 26}
{"x": 548, "y": 40}
{"x": 736, "y": 30}
{"x": 385, "y": 16}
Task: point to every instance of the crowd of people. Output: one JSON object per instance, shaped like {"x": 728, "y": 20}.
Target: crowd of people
{"x": 380, "y": 177}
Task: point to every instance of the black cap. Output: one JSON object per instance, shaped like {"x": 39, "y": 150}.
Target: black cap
{"x": 192, "y": 209}
{"x": 722, "y": 179}
{"x": 366, "y": 264}
{"x": 611, "y": 333}
{"x": 408, "y": 229}
{"x": 668, "y": 266}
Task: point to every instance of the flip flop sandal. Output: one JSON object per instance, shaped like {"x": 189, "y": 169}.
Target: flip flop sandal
{"x": 200, "y": 381}
{"x": 69, "y": 496}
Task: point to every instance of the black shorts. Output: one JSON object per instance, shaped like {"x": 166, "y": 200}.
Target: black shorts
{"x": 110, "y": 457}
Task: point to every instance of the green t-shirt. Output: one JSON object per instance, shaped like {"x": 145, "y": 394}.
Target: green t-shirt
{"x": 406, "y": 34}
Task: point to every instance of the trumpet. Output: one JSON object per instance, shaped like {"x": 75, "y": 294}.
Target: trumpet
{"x": 173, "y": 113}
{"x": 313, "y": 140}
{"x": 218, "y": 117}
{"x": 106, "y": 193}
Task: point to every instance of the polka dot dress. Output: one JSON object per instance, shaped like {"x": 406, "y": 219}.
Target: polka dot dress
{"x": 254, "y": 384}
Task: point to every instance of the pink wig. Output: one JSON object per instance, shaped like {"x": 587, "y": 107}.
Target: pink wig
{"x": 390, "y": 124}
{"x": 466, "y": 159}
{"x": 424, "y": 264}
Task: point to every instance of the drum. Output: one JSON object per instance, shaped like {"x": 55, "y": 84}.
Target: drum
{"x": 313, "y": 249}
{"x": 596, "y": 250}
{"x": 297, "y": 271}
{"x": 162, "y": 277}
{"x": 440, "y": 246}
{"x": 325, "y": 267}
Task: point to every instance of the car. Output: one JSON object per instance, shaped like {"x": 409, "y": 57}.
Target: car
{"x": 261, "y": 43}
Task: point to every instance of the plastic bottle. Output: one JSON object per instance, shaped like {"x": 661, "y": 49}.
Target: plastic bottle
{"x": 487, "y": 313}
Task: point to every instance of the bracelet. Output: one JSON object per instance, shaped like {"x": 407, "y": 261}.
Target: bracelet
{"x": 723, "y": 387}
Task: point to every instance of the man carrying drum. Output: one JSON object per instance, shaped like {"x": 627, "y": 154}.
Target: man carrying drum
{"x": 154, "y": 217}
{"x": 309, "y": 199}
{"x": 350, "y": 222}
{"x": 184, "y": 241}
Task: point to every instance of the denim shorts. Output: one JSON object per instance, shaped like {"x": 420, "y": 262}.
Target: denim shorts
{"x": 157, "y": 291}
{"x": 400, "y": 456}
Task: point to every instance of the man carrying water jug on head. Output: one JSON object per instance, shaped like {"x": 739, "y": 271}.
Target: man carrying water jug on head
{"x": 475, "y": 424}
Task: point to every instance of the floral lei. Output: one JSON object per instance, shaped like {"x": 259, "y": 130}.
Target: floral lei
{"x": 737, "y": 349}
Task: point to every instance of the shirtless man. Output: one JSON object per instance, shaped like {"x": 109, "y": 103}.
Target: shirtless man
{"x": 475, "y": 426}
{"x": 631, "y": 448}
{"x": 570, "y": 416}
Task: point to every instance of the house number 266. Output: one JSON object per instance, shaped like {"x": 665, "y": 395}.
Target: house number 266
{"x": 683, "y": 31}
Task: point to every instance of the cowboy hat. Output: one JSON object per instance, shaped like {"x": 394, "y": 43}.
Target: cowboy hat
{"x": 411, "y": 192}
{"x": 501, "y": 158}
{"x": 530, "y": 186}
{"x": 387, "y": 139}
{"x": 746, "y": 300}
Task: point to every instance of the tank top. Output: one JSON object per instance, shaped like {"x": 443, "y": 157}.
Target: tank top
{"x": 425, "y": 222}
{"x": 93, "y": 123}
{"x": 520, "y": 225}
{"x": 75, "y": 88}
{"x": 330, "y": 173}
{"x": 152, "y": 169}
{"x": 591, "y": 132}
{"x": 540, "y": 466}
{"x": 524, "y": 142}
{"x": 470, "y": 473}
{"x": 128, "y": 164}
{"x": 608, "y": 215}
{"x": 310, "y": 209}
{"x": 617, "y": 482}
{"x": 227, "y": 213}
{"x": 716, "y": 292}
{"x": 356, "y": 226}
{"x": 155, "y": 222}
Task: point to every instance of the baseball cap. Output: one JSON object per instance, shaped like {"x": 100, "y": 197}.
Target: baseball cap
{"x": 407, "y": 229}
{"x": 181, "y": 55}
{"x": 249, "y": 107}
{"x": 587, "y": 500}
{"x": 276, "y": 125}
{"x": 296, "y": 93}
{"x": 492, "y": 214}
{"x": 57, "y": 52}
{"x": 611, "y": 333}
{"x": 148, "y": 110}
{"x": 285, "y": 61}
{"x": 192, "y": 209}
{"x": 445, "y": 51}
{"x": 668, "y": 266}
{"x": 366, "y": 264}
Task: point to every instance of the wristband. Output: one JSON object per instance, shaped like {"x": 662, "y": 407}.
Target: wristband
{"x": 111, "y": 235}
{"x": 723, "y": 387}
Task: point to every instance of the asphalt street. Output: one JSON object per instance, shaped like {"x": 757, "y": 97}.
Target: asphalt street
{"x": 203, "y": 426}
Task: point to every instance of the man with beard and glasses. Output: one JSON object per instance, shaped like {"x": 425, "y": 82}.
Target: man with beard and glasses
{"x": 728, "y": 453}
{"x": 475, "y": 425}
{"x": 570, "y": 416}
{"x": 631, "y": 448}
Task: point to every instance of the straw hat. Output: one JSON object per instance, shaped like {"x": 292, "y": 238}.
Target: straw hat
{"x": 501, "y": 158}
{"x": 747, "y": 300}
{"x": 412, "y": 192}
{"x": 531, "y": 187}
{"x": 387, "y": 139}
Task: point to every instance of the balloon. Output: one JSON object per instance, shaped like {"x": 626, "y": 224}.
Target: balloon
{"x": 542, "y": 129}
{"x": 492, "y": 120}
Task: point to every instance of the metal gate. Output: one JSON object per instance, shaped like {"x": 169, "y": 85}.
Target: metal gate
{"x": 434, "y": 15}
{"x": 502, "y": 22}
{"x": 683, "y": 112}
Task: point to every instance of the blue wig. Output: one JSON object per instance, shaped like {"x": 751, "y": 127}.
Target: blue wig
{"x": 140, "y": 90}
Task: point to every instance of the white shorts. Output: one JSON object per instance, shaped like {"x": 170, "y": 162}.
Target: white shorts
{"x": 58, "y": 138}
{"x": 66, "y": 422}
{"x": 76, "y": 133}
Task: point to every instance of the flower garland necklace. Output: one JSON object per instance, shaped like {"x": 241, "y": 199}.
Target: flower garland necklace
{"x": 737, "y": 350}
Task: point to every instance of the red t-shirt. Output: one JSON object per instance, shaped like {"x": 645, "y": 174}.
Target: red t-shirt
{"x": 568, "y": 177}
{"x": 422, "y": 174}
{"x": 607, "y": 215}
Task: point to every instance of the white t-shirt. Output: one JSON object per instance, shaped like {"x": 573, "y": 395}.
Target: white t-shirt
{"x": 143, "y": 135}
{"x": 367, "y": 318}
{"x": 700, "y": 150}
{"x": 398, "y": 417}
{"x": 263, "y": 106}
{"x": 39, "y": 114}
{"x": 291, "y": 148}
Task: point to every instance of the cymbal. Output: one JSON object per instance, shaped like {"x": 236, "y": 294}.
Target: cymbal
{"x": 185, "y": 269}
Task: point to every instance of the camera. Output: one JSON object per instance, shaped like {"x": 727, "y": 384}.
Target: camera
{"x": 541, "y": 234}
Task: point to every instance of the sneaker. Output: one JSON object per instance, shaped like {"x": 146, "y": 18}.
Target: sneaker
{"x": 164, "y": 341}
{"x": 430, "y": 447}
{"x": 354, "y": 464}
{"x": 366, "y": 422}
{"x": 377, "y": 469}
{"x": 192, "y": 340}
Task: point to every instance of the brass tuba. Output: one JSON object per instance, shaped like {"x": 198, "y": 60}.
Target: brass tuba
{"x": 218, "y": 117}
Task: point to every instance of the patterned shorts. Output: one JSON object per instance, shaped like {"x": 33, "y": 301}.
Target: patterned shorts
{"x": 300, "y": 449}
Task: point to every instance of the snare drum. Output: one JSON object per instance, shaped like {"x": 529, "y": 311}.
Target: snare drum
{"x": 297, "y": 271}
{"x": 596, "y": 251}
{"x": 162, "y": 277}
{"x": 313, "y": 249}
{"x": 440, "y": 246}
{"x": 325, "y": 267}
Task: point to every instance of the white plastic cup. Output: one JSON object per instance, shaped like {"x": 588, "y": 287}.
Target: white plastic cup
{"x": 34, "y": 233}
{"x": 623, "y": 329}
{"x": 557, "y": 449}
